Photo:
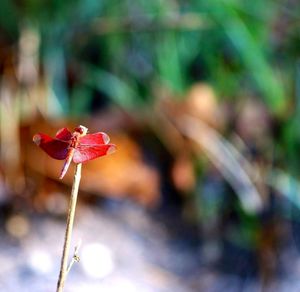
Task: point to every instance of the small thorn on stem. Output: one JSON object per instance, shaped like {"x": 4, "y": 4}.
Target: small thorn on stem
{"x": 75, "y": 257}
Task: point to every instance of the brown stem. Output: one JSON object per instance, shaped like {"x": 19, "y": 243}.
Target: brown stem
{"x": 70, "y": 220}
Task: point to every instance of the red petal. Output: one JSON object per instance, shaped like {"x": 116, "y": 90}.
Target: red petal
{"x": 94, "y": 139}
{"x": 63, "y": 134}
{"x": 85, "y": 153}
{"x": 57, "y": 149}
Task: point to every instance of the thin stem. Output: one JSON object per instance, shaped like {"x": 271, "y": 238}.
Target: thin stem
{"x": 70, "y": 220}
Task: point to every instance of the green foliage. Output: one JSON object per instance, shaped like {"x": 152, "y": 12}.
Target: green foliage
{"x": 163, "y": 38}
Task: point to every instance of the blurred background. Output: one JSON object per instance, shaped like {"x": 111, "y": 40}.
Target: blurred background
{"x": 202, "y": 99}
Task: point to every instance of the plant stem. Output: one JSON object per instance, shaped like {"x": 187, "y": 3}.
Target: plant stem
{"x": 70, "y": 220}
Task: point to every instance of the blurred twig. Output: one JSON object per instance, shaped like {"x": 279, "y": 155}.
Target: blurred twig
{"x": 149, "y": 23}
{"x": 225, "y": 159}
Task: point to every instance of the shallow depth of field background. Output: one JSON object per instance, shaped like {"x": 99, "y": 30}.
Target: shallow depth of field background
{"x": 202, "y": 99}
